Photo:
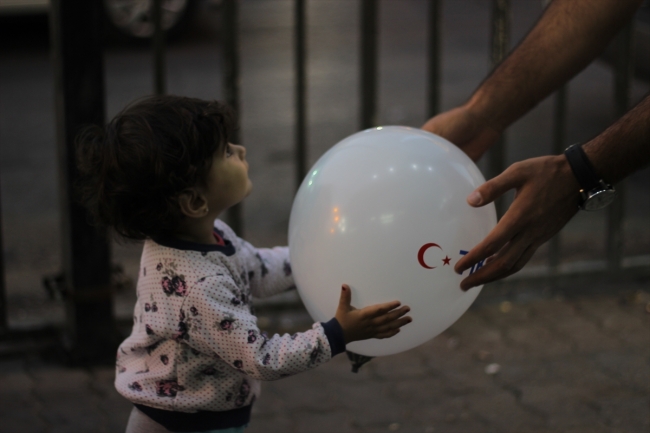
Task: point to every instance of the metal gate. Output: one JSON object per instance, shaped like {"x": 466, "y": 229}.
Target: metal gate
{"x": 79, "y": 80}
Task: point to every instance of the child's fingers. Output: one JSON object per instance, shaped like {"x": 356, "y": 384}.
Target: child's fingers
{"x": 380, "y": 309}
{"x": 390, "y": 316}
{"x": 395, "y": 324}
{"x": 346, "y": 298}
{"x": 387, "y": 334}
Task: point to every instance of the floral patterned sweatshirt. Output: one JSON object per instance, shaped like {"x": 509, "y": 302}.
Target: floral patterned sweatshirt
{"x": 195, "y": 357}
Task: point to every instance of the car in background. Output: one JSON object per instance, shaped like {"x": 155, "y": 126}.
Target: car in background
{"x": 129, "y": 18}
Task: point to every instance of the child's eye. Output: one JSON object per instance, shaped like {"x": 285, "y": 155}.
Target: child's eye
{"x": 228, "y": 150}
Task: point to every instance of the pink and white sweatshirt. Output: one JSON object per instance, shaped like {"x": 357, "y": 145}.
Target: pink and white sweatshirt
{"x": 195, "y": 356}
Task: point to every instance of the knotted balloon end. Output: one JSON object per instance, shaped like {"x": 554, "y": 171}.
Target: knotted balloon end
{"x": 357, "y": 360}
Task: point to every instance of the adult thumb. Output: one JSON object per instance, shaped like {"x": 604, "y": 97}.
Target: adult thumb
{"x": 346, "y": 298}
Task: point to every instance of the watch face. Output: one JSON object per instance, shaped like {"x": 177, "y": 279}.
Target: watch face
{"x": 599, "y": 199}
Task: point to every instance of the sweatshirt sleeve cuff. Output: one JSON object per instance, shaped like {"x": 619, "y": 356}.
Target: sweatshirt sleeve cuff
{"x": 334, "y": 334}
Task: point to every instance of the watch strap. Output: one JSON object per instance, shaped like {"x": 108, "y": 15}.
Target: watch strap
{"x": 581, "y": 167}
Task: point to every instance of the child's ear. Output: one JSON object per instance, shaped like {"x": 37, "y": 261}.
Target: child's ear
{"x": 193, "y": 204}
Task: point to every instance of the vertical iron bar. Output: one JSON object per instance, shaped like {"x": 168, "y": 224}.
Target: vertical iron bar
{"x": 301, "y": 90}
{"x": 622, "y": 81}
{"x": 4, "y": 326}
{"x": 231, "y": 89}
{"x": 500, "y": 39}
{"x": 559, "y": 144}
{"x": 369, "y": 16}
{"x": 159, "y": 78}
{"x": 434, "y": 58}
{"x": 76, "y": 27}
{"x": 500, "y": 36}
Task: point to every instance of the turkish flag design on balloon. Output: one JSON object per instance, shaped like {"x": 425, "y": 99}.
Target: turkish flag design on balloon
{"x": 385, "y": 211}
{"x": 422, "y": 251}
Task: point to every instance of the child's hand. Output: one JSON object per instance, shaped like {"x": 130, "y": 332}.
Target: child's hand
{"x": 375, "y": 321}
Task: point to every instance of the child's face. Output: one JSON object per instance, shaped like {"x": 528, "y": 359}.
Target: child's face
{"x": 228, "y": 182}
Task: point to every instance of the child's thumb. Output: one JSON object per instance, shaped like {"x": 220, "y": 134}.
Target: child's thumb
{"x": 346, "y": 298}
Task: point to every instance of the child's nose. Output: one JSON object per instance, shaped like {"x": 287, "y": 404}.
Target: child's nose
{"x": 242, "y": 151}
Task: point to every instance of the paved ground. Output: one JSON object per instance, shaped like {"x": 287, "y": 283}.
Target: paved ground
{"x": 578, "y": 365}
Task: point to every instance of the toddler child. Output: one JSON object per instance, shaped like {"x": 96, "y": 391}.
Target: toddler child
{"x": 162, "y": 171}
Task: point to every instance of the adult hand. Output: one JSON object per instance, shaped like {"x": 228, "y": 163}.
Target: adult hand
{"x": 546, "y": 198}
{"x": 466, "y": 129}
{"x": 375, "y": 321}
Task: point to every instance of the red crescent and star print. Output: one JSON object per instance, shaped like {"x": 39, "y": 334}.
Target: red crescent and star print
{"x": 446, "y": 261}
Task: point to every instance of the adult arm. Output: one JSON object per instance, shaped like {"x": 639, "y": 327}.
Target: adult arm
{"x": 568, "y": 35}
{"x": 547, "y": 195}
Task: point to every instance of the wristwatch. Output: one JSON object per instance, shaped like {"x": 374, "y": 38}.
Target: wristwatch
{"x": 595, "y": 194}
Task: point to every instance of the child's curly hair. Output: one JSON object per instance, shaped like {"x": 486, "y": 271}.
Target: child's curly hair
{"x": 132, "y": 171}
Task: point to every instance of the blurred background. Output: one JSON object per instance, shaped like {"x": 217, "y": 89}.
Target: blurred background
{"x": 30, "y": 199}
{"x": 195, "y": 64}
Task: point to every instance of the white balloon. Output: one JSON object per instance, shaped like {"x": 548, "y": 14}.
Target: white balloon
{"x": 385, "y": 211}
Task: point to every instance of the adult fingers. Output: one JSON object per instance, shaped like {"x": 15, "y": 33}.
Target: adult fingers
{"x": 544, "y": 203}
{"x": 505, "y": 230}
{"x": 466, "y": 129}
{"x": 500, "y": 267}
{"x": 507, "y": 227}
{"x": 494, "y": 188}
{"x": 499, "y": 263}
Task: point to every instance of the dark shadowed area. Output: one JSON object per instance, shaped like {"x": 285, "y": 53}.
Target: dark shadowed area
{"x": 551, "y": 361}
